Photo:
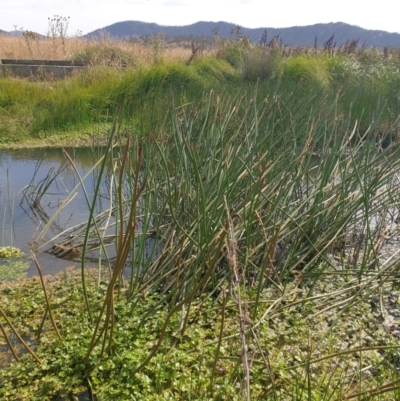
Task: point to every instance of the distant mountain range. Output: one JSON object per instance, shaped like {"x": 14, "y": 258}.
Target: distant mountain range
{"x": 294, "y": 36}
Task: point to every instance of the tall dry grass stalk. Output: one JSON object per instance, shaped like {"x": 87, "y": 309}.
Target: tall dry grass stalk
{"x": 27, "y": 47}
{"x": 12, "y": 47}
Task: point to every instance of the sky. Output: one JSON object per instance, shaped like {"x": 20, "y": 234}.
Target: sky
{"x": 88, "y": 15}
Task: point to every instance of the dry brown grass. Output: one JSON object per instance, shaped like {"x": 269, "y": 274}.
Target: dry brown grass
{"x": 100, "y": 50}
{"x": 46, "y": 49}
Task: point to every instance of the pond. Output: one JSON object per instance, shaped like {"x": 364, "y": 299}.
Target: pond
{"x": 29, "y": 220}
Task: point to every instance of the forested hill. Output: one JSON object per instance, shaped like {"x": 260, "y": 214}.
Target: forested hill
{"x": 294, "y": 36}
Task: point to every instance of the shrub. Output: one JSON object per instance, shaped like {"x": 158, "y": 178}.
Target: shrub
{"x": 253, "y": 62}
{"x": 106, "y": 54}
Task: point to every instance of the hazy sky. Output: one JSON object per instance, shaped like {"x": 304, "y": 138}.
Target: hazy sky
{"x": 88, "y": 15}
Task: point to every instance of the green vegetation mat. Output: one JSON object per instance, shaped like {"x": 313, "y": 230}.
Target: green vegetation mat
{"x": 12, "y": 263}
{"x": 297, "y": 352}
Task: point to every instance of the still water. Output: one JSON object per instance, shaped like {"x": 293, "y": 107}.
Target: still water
{"x": 24, "y": 174}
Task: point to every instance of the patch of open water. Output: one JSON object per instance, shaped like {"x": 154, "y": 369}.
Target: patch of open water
{"x": 22, "y": 220}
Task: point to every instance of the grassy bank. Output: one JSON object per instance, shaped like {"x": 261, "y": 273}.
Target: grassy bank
{"x": 33, "y": 110}
{"x": 158, "y": 78}
{"x": 255, "y": 226}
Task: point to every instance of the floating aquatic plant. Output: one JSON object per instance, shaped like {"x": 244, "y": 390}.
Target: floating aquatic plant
{"x": 10, "y": 252}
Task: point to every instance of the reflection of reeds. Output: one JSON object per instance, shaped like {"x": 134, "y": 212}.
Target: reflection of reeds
{"x": 33, "y": 193}
{"x": 7, "y": 214}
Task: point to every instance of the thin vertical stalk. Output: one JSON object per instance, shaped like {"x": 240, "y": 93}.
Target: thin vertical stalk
{"x": 243, "y": 311}
{"x": 92, "y": 208}
{"x": 218, "y": 348}
{"x": 46, "y": 296}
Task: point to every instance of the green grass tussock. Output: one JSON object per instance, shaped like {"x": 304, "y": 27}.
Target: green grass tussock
{"x": 213, "y": 71}
{"x": 311, "y": 70}
{"x": 172, "y": 78}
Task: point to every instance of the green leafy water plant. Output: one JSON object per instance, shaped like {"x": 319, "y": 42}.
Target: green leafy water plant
{"x": 281, "y": 344}
{"x": 10, "y": 252}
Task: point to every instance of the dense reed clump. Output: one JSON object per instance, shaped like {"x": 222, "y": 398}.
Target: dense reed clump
{"x": 247, "y": 237}
{"x": 248, "y": 231}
